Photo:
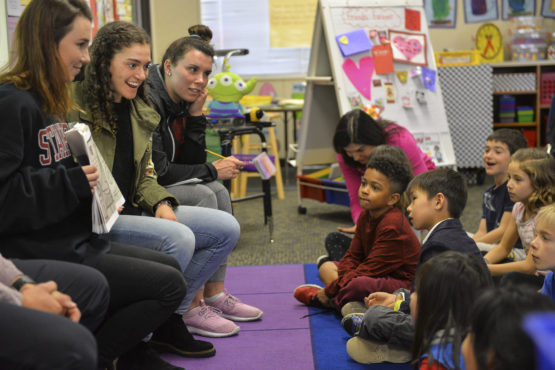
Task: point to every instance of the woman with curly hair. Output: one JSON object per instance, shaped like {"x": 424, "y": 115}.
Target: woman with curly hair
{"x": 46, "y": 197}
{"x": 117, "y": 109}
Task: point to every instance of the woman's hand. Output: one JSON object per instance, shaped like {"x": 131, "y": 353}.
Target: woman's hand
{"x": 46, "y": 297}
{"x": 92, "y": 176}
{"x": 348, "y": 230}
{"x": 166, "y": 212}
{"x": 228, "y": 168}
{"x": 195, "y": 109}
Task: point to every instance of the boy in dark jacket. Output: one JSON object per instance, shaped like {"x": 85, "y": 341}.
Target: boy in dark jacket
{"x": 437, "y": 199}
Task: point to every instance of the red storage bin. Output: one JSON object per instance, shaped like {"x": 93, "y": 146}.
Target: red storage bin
{"x": 530, "y": 136}
{"x": 547, "y": 87}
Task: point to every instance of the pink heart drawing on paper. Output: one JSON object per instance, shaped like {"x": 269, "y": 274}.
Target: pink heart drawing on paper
{"x": 361, "y": 75}
{"x": 410, "y": 48}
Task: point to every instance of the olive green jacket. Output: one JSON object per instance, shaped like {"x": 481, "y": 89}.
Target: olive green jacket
{"x": 144, "y": 119}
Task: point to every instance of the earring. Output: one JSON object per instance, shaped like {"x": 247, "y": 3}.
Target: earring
{"x": 169, "y": 74}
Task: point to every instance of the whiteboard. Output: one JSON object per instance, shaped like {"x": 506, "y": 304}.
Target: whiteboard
{"x": 423, "y": 120}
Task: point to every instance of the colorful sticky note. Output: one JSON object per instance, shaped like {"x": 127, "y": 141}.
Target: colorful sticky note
{"x": 383, "y": 59}
{"x": 402, "y": 76}
{"x": 353, "y": 42}
{"x": 361, "y": 75}
{"x": 429, "y": 78}
{"x": 412, "y": 19}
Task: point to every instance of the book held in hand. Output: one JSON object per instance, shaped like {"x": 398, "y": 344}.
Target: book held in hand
{"x": 107, "y": 197}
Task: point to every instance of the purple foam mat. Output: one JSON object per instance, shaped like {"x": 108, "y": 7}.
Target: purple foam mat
{"x": 281, "y": 311}
{"x": 281, "y": 340}
{"x": 273, "y": 349}
{"x": 264, "y": 279}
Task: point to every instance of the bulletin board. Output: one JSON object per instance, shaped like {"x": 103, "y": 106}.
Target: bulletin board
{"x": 351, "y": 65}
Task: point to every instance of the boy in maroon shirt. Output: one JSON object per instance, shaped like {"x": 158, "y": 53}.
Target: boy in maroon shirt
{"x": 384, "y": 251}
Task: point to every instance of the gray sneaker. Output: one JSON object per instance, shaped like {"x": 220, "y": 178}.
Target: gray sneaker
{"x": 365, "y": 351}
{"x": 353, "y": 307}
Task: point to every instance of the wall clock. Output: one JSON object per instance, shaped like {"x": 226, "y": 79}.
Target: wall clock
{"x": 489, "y": 43}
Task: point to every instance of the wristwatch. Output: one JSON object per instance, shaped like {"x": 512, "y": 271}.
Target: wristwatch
{"x": 163, "y": 201}
{"x": 23, "y": 279}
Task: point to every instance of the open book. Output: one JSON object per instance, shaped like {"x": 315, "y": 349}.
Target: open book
{"x": 107, "y": 197}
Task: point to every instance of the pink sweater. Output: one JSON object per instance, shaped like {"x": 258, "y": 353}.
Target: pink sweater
{"x": 403, "y": 139}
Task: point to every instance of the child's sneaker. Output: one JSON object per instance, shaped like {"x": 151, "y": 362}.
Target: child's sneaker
{"x": 353, "y": 307}
{"x": 206, "y": 321}
{"x": 365, "y": 351}
{"x": 233, "y": 309}
{"x": 352, "y": 323}
{"x": 306, "y": 294}
{"x": 322, "y": 259}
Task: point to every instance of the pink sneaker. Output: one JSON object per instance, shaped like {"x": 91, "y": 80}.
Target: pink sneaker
{"x": 233, "y": 309}
{"x": 206, "y": 321}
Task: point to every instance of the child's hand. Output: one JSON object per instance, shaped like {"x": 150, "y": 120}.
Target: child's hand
{"x": 348, "y": 230}
{"x": 380, "y": 299}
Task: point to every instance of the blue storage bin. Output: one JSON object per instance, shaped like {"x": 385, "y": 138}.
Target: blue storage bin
{"x": 339, "y": 196}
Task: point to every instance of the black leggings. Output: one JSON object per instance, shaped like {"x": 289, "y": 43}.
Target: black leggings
{"x": 145, "y": 288}
{"x": 33, "y": 339}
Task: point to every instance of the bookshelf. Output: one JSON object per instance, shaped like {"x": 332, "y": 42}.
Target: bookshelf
{"x": 526, "y": 93}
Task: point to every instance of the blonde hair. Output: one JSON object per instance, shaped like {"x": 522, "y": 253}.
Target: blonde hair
{"x": 546, "y": 214}
{"x": 539, "y": 166}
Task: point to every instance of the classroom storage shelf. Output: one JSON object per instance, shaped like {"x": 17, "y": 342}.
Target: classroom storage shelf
{"x": 520, "y": 76}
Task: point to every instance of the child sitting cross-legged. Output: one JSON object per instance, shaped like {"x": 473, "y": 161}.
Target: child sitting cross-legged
{"x": 384, "y": 251}
{"x": 386, "y": 330}
{"x": 445, "y": 286}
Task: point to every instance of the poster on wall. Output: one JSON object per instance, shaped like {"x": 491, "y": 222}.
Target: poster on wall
{"x": 441, "y": 13}
{"x": 548, "y": 8}
{"x": 517, "y": 8}
{"x": 476, "y": 11}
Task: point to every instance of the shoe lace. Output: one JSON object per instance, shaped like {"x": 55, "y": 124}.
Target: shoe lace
{"x": 230, "y": 300}
{"x": 209, "y": 311}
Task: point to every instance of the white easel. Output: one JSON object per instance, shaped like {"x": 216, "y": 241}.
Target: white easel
{"x": 326, "y": 98}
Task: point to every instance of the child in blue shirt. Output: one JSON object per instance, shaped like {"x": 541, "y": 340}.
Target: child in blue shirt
{"x": 496, "y": 203}
{"x": 543, "y": 247}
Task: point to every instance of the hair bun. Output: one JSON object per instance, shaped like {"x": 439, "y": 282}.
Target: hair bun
{"x": 202, "y": 31}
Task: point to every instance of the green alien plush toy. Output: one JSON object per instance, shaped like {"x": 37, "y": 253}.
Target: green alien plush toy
{"x": 227, "y": 89}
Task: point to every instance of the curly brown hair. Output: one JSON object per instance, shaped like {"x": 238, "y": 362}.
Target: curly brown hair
{"x": 540, "y": 168}
{"x": 109, "y": 40}
{"x": 35, "y": 62}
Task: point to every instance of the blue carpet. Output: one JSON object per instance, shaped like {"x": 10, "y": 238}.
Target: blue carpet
{"x": 329, "y": 339}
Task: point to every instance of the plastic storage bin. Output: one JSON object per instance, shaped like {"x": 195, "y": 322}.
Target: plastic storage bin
{"x": 506, "y": 108}
{"x": 315, "y": 178}
{"x": 547, "y": 87}
{"x": 525, "y": 114}
{"x": 320, "y": 187}
{"x": 339, "y": 196}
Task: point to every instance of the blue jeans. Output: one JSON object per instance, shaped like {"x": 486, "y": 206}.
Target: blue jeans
{"x": 200, "y": 241}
